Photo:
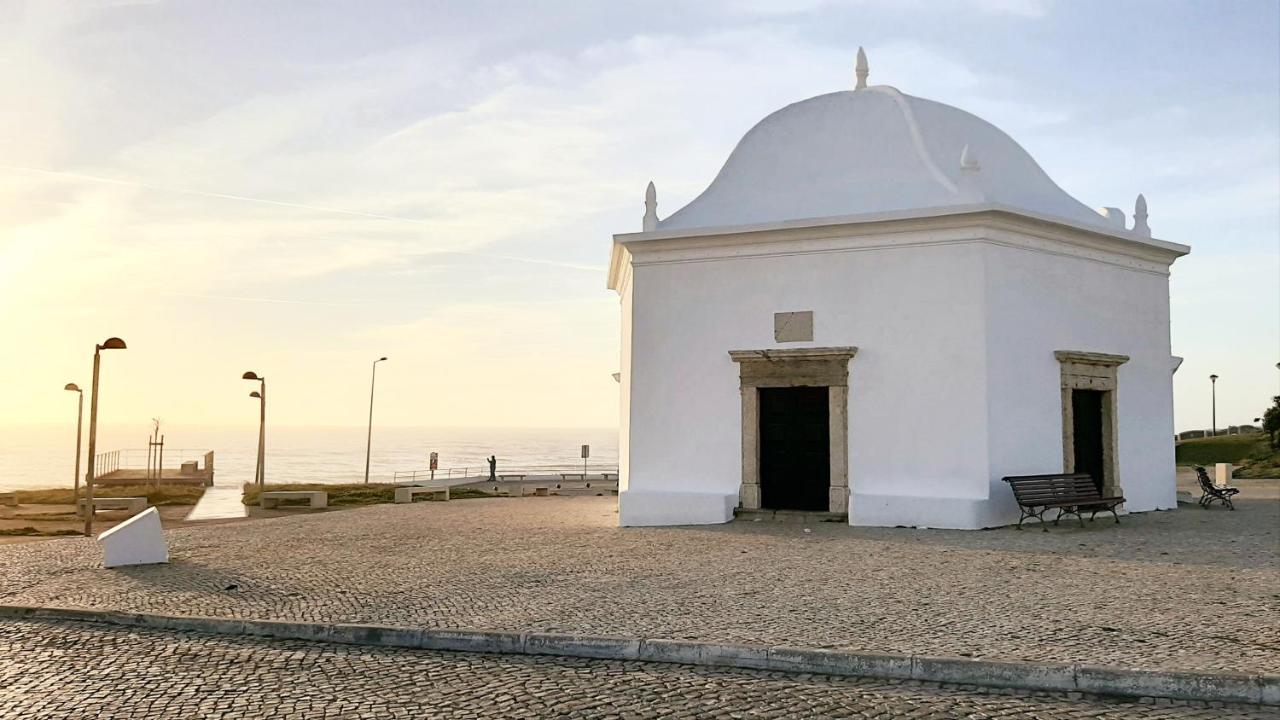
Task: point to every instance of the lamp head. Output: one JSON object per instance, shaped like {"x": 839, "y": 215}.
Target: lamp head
{"x": 381, "y": 359}
{"x": 72, "y": 387}
{"x": 251, "y": 375}
{"x": 112, "y": 343}
{"x": 256, "y": 394}
{"x": 1213, "y": 378}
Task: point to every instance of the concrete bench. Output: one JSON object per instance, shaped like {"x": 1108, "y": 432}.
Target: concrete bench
{"x": 519, "y": 476}
{"x": 405, "y": 494}
{"x": 579, "y": 475}
{"x": 9, "y": 498}
{"x": 537, "y": 489}
{"x": 133, "y": 505}
{"x": 314, "y": 498}
{"x": 609, "y": 476}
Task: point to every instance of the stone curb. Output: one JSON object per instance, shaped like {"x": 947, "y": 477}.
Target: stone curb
{"x": 1021, "y": 675}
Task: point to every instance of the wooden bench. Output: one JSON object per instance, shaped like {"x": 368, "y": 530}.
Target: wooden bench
{"x": 133, "y": 505}
{"x": 406, "y": 494}
{"x": 314, "y": 498}
{"x": 1210, "y": 492}
{"x": 1069, "y": 493}
{"x": 9, "y": 498}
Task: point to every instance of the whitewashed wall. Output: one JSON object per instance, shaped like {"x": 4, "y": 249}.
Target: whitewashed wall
{"x": 1039, "y": 303}
{"x": 954, "y": 386}
{"x": 917, "y": 400}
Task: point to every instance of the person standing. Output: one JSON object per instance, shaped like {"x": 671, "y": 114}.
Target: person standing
{"x": 493, "y": 468}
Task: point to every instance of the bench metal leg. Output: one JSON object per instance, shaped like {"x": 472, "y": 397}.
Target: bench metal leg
{"x": 1028, "y": 513}
{"x": 1069, "y": 511}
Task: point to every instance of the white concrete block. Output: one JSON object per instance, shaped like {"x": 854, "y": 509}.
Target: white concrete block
{"x": 1222, "y": 473}
{"x": 136, "y": 541}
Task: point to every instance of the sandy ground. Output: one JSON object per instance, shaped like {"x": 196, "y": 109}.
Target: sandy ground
{"x": 51, "y": 518}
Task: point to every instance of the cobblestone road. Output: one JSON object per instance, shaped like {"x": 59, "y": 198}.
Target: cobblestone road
{"x": 1137, "y": 594}
{"x": 72, "y": 670}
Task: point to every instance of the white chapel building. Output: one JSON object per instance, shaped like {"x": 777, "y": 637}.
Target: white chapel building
{"x": 879, "y": 308}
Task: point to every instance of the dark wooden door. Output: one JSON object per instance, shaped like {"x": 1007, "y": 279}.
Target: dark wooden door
{"x": 1086, "y": 419}
{"x": 795, "y": 449}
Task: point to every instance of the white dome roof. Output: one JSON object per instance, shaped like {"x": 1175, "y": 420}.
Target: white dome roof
{"x": 874, "y": 150}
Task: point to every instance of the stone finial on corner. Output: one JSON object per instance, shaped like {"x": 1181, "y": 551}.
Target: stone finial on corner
{"x": 970, "y": 186}
{"x": 650, "y": 208}
{"x": 860, "y": 70}
{"x": 1140, "y": 226}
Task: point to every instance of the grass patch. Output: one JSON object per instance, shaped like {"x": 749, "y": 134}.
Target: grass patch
{"x": 353, "y": 494}
{"x": 162, "y": 495}
{"x": 1222, "y": 449}
{"x": 1251, "y": 454}
{"x": 29, "y": 531}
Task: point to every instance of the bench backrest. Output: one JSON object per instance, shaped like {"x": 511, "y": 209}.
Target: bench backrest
{"x": 1039, "y": 489}
{"x": 1205, "y": 483}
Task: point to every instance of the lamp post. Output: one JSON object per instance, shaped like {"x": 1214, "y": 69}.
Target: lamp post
{"x": 110, "y": 344}
{"x": 75, "y": 484}
{"x": 1213, "y": 384}
{"x": 368, "y": 447}
{"x": 260, "y": 472}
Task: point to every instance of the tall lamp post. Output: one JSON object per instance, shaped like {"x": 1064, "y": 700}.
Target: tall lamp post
{"x": 1213, "y": 385}
{"x": 110, "y": 344}
{"x": 368, "y": 447}
{"x": 75, "y": 485}
{"x": 260, "y": 472}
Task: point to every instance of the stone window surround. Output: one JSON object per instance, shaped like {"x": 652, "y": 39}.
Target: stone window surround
{"x": 1092, "y": 371}
{"x": 796, "y": 367}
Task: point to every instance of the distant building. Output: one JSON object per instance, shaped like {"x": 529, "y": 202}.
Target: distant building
{"x": 878, "y": 308}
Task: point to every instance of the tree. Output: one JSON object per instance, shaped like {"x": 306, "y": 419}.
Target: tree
{"x": 1271, "y": 420}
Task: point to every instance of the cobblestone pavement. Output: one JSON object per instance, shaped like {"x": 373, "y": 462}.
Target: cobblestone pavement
{"x": 73, "y": 670}
{"x": 1191, "y": 589}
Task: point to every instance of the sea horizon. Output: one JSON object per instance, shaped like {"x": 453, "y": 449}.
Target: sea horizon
{"x": 42, "y": 455}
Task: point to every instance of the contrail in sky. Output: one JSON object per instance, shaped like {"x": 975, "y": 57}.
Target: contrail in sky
{"x": 298, "y": 206}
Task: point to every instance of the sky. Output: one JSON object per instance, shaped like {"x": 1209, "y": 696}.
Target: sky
{"x": 299, "y": 188}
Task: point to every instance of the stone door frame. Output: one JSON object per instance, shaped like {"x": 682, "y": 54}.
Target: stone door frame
{"x": 796, "y": 367}
{"x": 1092, "y": 371}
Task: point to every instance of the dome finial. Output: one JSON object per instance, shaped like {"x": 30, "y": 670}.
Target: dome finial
{"x": 861, "y": 71}
{"x": 1140, "y": 225}
{"x": 650, "y": 208}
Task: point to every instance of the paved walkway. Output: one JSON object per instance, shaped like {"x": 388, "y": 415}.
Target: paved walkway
{"x": 71, "y": 670}
{"x": 220, "y": 502}
{"x": 1138, "y": 594}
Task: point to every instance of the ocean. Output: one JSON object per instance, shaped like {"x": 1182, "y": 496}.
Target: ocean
{"x": 44, "y": 456}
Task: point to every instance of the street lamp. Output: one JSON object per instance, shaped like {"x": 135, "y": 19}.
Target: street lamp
{"x": 369, "y": 440}
{"x": 260, "y": 472}
{"x": 1213, "y": 384}
{"x": 110, "y": 344}
{"x": 75, "y": 485}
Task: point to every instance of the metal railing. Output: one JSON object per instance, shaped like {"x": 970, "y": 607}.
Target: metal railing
{"x": 136, "y": 458}
{"x": 106, "y": 462}
{"x": 482, "y": 471}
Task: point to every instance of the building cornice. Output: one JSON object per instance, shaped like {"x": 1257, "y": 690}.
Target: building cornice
{"x": 984, "y": 223}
